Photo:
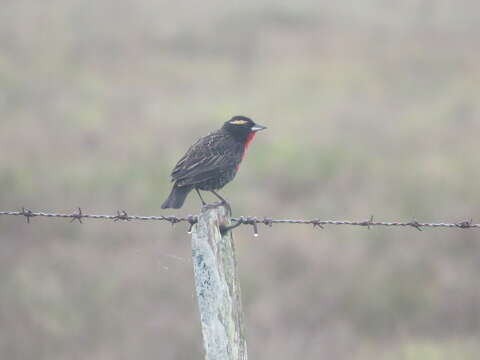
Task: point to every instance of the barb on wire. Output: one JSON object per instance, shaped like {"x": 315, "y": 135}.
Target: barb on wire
{"x": 242, "y": 220}
{"x": 415, "y": 224}
{"x": 27, "y": 213}
{"x": 77, "y": 216}
{"x": 122, "y": 215}
{"x": 367, "y": 223}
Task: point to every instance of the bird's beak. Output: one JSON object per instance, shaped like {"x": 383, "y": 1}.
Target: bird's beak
{"x": 257, "y": 127}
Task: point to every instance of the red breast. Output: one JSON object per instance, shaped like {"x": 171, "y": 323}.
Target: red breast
{"x": 247, "y": 144}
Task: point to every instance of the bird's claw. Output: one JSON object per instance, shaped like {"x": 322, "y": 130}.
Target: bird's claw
{"x": 219, "y": 203}
{"x": 227, "y": 206}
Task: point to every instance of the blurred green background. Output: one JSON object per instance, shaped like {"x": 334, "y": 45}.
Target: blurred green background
{"x": 373, "y": 107}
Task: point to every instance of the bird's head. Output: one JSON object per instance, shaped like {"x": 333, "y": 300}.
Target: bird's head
{"x": 241, "y": 127}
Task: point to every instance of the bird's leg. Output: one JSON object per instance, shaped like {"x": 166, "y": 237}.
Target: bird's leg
{"x": 219, "y": 196}
{"x": 223, "y": 201}
{"x": 201, "y": 199}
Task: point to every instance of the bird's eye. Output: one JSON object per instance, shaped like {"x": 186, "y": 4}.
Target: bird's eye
{"x": 238, "y": 122}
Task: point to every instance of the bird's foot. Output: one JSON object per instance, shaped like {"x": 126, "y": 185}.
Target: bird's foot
{"x": 210, "y": 206}
{"x": 217, "y": 204}
{"x": 227, "y": 206}
{"x": 223, "y": 202}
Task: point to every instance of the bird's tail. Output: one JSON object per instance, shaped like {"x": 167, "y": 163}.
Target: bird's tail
{"x": 177, "y": 197}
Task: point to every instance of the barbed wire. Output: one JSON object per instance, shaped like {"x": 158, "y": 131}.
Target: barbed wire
{"x": 253, "y": 221}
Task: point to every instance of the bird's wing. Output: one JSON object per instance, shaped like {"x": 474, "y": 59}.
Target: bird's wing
{"x": 193, "y": 167}
{"x": 202, "y": 161}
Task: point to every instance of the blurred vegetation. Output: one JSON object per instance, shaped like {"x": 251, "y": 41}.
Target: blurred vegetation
{"x": 372, "y": 108}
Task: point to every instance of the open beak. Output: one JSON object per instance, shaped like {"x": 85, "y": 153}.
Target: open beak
{"x": 257, "y": 127}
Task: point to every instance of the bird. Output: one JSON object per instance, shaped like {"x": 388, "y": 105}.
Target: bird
{"x": 212, "y": 161}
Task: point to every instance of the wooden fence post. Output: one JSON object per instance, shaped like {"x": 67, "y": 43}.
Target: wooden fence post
{"x": 218, "y": 287}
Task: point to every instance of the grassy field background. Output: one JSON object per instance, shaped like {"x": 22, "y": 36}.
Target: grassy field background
{"x": 372, "y": 108}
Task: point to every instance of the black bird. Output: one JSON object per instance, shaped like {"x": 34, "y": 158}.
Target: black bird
{"x": 213, "y": 161}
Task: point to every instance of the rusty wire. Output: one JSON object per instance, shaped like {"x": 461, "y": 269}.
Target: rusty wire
{"x": 122, "y": 215}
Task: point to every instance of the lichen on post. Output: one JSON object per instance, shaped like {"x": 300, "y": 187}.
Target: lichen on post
{"x": 218, "y": 287}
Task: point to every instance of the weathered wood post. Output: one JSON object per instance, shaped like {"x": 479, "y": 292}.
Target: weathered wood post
{"x": 218, "y": 287}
